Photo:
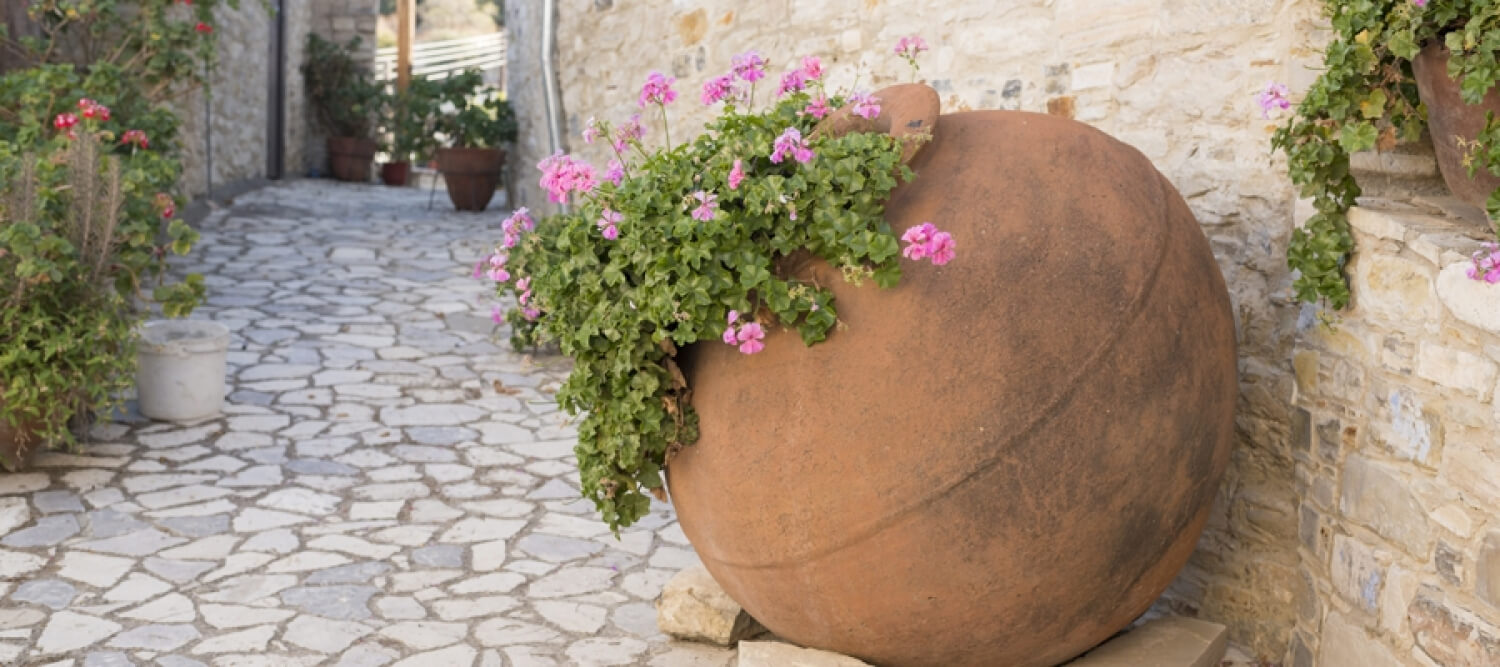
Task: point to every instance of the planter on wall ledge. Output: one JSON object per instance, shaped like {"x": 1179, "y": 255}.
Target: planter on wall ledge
{"x": 1450, "y": 121}
{"x": 471, "y": 174}
{"x": 182, "y": 369}
{"x": 395, "y": 173}
{"x": 350, "y": 158}
{"x": 1001, "y": 461}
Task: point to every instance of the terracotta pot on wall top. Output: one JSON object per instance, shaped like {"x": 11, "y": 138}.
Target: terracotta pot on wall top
{"x": 395, "y": 173}
{"x": 1451, "y": 122}
{"x": 1001, "y": 461}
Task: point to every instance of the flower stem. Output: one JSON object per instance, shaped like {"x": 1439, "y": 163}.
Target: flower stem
{"x": 665, "y": 130}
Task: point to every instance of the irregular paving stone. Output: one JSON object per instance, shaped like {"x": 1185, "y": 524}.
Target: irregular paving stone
{"x": 139, "y": 543}
{"x": 557, "y": 549}
{"x": 107, "y": 659}
{"x": 613, "y": 651}
{"x": 93, "y": 569}
{"x": 46, "y": 592}
{"x": 572, "y": 616}
{"x": 367, "y": 655}
{"x": 14, "y": 513}
{"x": 571, "y": 581}
{"x": 439, "y": 556}
{"x": 52, "y": 502}
{"x": 486, "y": 606}
{"x": 441, "y": 435}
{"x": 426, "y": 635}
{"x": 356, "y": 573}
{"x": 453, "y": 656}
{"x": 67, "y": 631}
{"x": 320, "y": 467}
{"x": 322, "y": 634}
{"x": 509, "y": 631}
{"x": 251, "y": 640}
{"x": 238, "y": 616}
{"x": 170, "y": 608}
{"x": 109, "y": 523}
{"x": 301, "y": 500}
{"x": 340, "y": 602}
{"x": 48, "y": 531}
{"x": 179, "y": 571}
{"x": 197, "y": 526}
{"x": 15, "y": 564}
{"x": 178, "y": 661}
{"x": 137, "y": 587}
{"x": 156, "y": 637}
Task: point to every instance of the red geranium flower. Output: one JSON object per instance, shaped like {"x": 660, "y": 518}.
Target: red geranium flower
{"x": 204, "y": 28}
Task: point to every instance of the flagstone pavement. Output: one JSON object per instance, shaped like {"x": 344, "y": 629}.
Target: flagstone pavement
{"x": 390, "y": 484}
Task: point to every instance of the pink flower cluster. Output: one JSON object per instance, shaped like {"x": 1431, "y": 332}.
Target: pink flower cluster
{"x": 166, "y": 205}
{"x": 528, "y": 309}
{"x": 658, "y": 90}
{"x": 629, "y": 131}
{"x": 865, "y": 105}
{"x": 1273, "y": 98}
{"x": 925, "y": 241}
{"x": 746, "y": 335}
{"x": 608, "y": 223}
{"x": 493, "y": 267}
{"x": 136, "y": 137}
{"x": 562, "y": 174}
{"x": 736, "y": 175}
{"x": 518, "y": 223}
{"x": 909, "y": 47}
{"x": 708, "y": 205}
{"x": 791, "y": 143}
{"x": 1419, "y": 3}
{"x": 797, "y": 79}
{"x": 66, "y": 121}
{"x": 1486, "y": 263}
{"x": 818, "y": 108}
{"x": 718, "y": 88}
{"x": 615, "y": 173}
{"x": 591, "y": 131}
{"x": 749, "y": 67}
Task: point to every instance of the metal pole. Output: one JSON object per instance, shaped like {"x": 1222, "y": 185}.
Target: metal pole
{"x": 208, "y": 127}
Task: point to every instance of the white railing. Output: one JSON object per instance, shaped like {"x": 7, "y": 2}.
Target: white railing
{"x": 440, "y": 60}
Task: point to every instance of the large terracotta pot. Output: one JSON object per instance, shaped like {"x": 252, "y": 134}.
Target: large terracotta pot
{"x": 1452, "y": 122}
{"x": 1001, "y": 461}
{"x": 471, "y": 174}
{"x": 349, "y": 158}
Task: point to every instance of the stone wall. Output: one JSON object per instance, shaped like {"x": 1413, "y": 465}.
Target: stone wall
{"x": 1398, "y": 461}
{"x": 1174, "y": 78}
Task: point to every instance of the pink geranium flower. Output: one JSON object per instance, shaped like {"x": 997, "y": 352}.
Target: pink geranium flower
{"x": 736, "y": 175}
{"x": 717, "y": 89}
{"x": 518, "y": 223}
{"x": 608, "y": 223}
{"x": 926, "y": 240}
{"x": 791, "y": 143}
{"x": 1273, "y": 99}
{"x": 1486, "y": 264}
{"x": 562, "y": 174}
{"x": 865, "y": 105}
{"x": 657, "y": 90}
{"x": 591, "y": 131}
{"x": 708, "y": 204}
{"x": 615, "y": 173}
{"x": 812, "y": 68}
{"x": 818, "y": 108}
{"x": 749, "y": 67}
{"x": 909, "y": 47}
{"x": 750, "y": 336}
{"x": 629, "y": 131}
{"x": 136, "y": 137}
{"x": 791, "y": 82}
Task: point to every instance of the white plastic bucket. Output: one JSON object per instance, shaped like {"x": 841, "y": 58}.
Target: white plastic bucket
{"x": 182, "y": 369}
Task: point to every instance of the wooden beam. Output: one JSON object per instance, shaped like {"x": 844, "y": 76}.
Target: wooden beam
{"x": 406, "y": 35}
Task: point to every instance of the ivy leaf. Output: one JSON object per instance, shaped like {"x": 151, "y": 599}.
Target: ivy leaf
{"x": 1358, "y": 137}
{"x": 1373, "y": 106}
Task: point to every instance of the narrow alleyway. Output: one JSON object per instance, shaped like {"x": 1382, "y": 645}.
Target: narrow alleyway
{"x": 389, "y": 484}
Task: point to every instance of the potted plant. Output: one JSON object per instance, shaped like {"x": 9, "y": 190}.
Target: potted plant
{"x": 475, "y": 123}
{"x": 81, "y": 240}
{"x": 1393, "y": 69}
{"x": 409, "y": 120}
{"x": 878, "y": 354}
{"x": 346, "y": 103}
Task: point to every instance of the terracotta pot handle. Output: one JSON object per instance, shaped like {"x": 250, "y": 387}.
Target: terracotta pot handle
{"x": 907, "y": 110}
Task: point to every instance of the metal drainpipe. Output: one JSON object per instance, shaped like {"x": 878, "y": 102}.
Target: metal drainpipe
{"x": 549, "y": 42}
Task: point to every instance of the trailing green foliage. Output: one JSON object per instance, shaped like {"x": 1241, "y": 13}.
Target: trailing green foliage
{"x": 409, "y": 119}
{"x": 622, "y": 308}
{"x": 1367, "y": 99}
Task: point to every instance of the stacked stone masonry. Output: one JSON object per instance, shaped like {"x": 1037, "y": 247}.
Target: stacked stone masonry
{"x": 1174, "y": 78}
{"x": 1397, "y": 457}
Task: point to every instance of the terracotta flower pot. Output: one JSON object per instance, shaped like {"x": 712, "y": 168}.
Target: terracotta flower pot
{"x": 395, "y": 173}
{"x": 1001, "y": 461}
{"x": 18, "y": 444}
{"x": 1450, "y": 122}
{"x": 471, "y": 175}
{"x": 350, "y": 158}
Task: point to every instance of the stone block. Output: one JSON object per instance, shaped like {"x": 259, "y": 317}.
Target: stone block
{"x": 1457, "y": 369}
{"x": 1469, "y": 300}
{"x": 1487, "y": 567}
{"x": 777, "y": 654}
{"x": 1357, "y": 573}
{"x": 1376, "y": 223}
{"x": 1473, "y": 466}
{"x": 1173, "y": 641}
{"x": 1345, "y": 644}
{"x": 1452, "y": 635}
{"x": 1400, "y": 588}
{"x": 1374, "y": 496}
{"x": 1396, "y": 289}
{"x": 694, "y": 607}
